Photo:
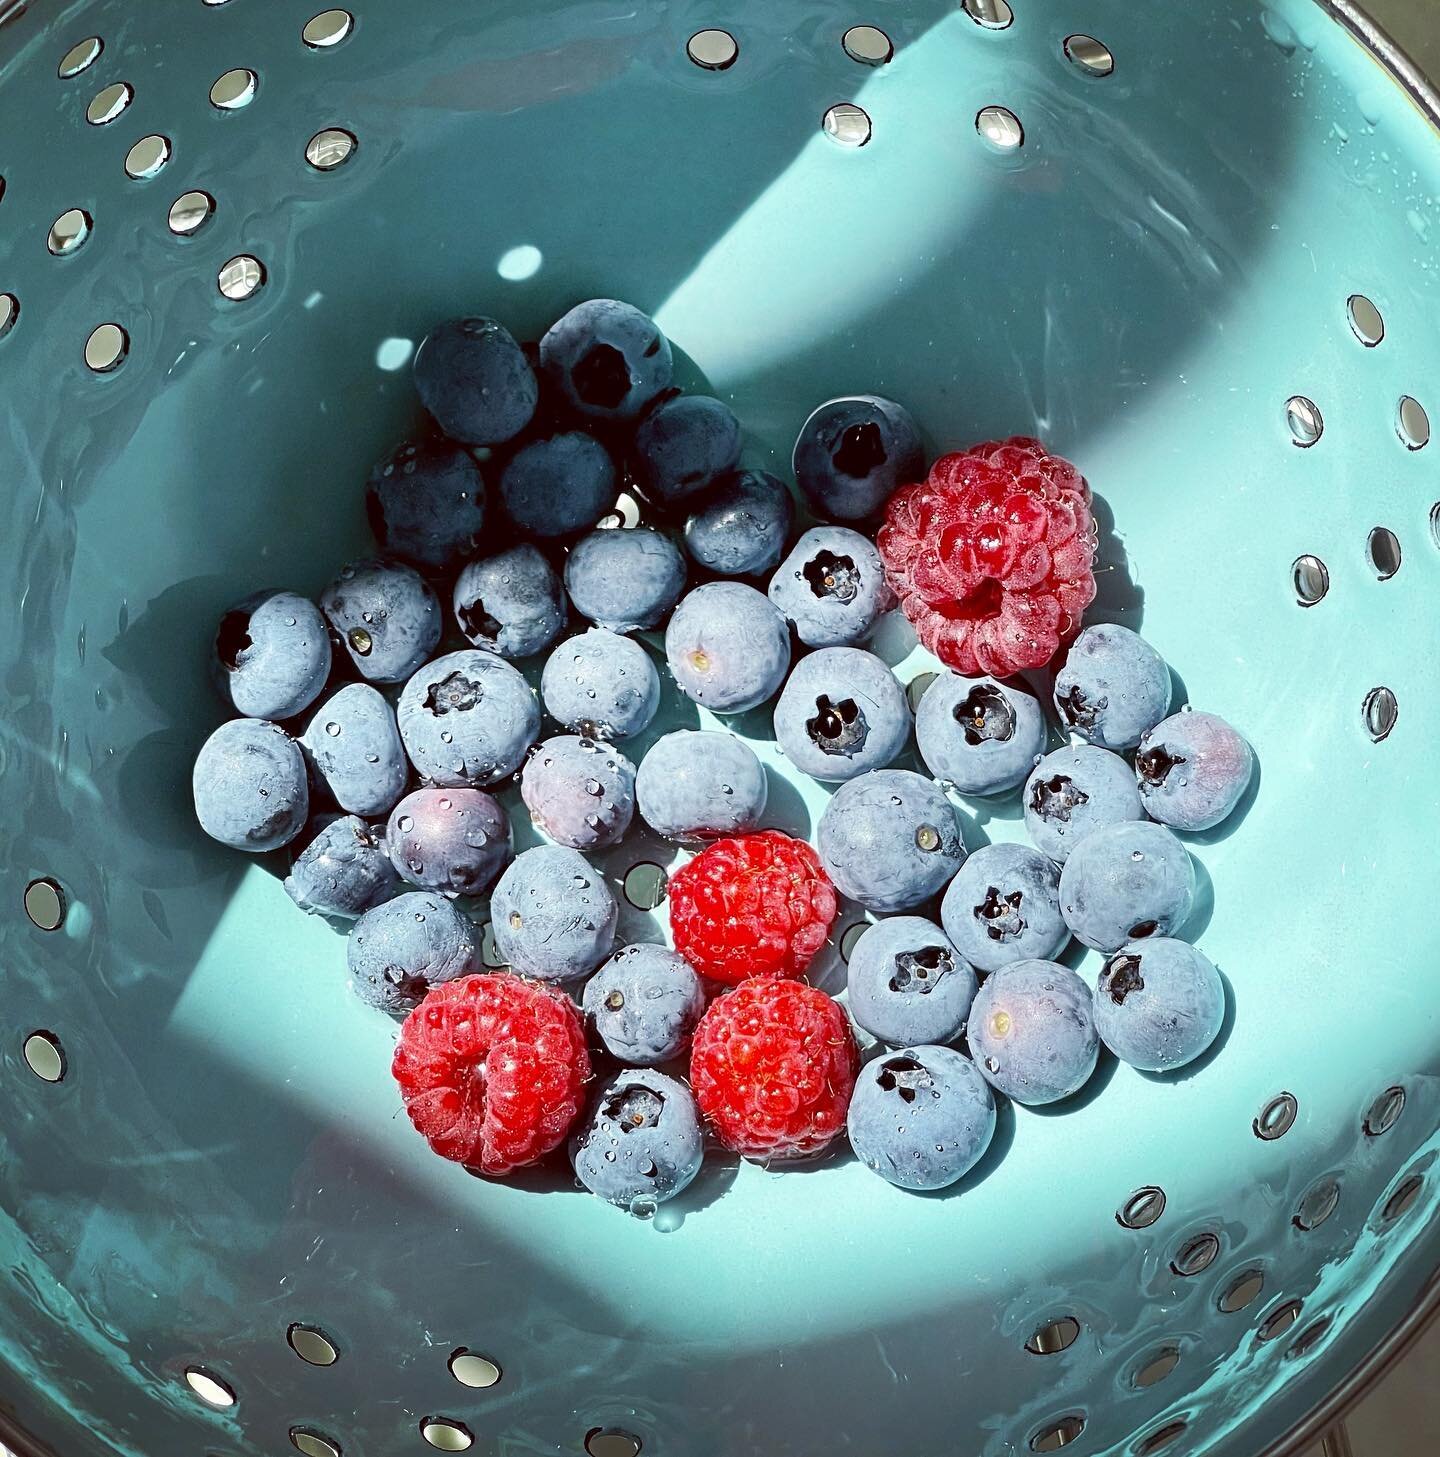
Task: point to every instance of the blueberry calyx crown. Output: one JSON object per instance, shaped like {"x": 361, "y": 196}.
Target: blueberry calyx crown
{"x": 861, "y": 451}
{"x": 1057, "y": 798}
{"x": 903, "y": 1075}
{"x": 634, "y": 1106}
{"x": 1077, "y": 710}
{"x": 1000, "y": 913}
{"x": 476, "y": 622}
{"x": 986, "y": 715}
{"x": 455, "y": 693}
{"x": 837, "y": 728}
{"x": 1121, "y": 977}
{"x": 920, "y": 971}
{"x": 1155, "y": 764}
{"x": 834, "y": 576}
{"x": 602, "y": 378}
{"x": 232, "y": 639}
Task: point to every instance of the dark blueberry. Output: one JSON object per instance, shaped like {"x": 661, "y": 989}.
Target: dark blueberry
{"x": 842, "y": 713}
{"x": 1032, "y": 1031}
{"x": 1193, "y": 769}
{"x": 625, "y": 578}
{"x": 1126, "y": 882}
{"x": 606, "y": 359}
{"x": 684, "y": 446}
{"x": 832, "y": 587}
{"x": 853, "y": 454}
{"x": 921, "y": 1117}
{"x": 907, "y": 983}
{"x": 552, "y": 915}
{"x": 699, "y": 785}
{"x": 510, "y": 604}
{"x": 251, "y": 792}
{"x": 890, "y": 840}
{"x": 272, "y": 653}
{"x": 601, "y": 685}
{"x": 386, "y": 617}
{"x": 1073, "y": 792}
{"x": 398, "y": 951}
{"x": 344, "y": 871}
{"x": 579, "y": 792}
{"x": 1004, "y": 906}
{"x": 451, "y": 840}
{"x": 558, "y": 486}
{"x": 426, "y": 504}
{"x": 468, "y": 718}
{"x": 476, "y": 381}
{"x": 980, "y": 735}
{"x": 1159, "y": 1004}
{"x": 1112, "y": 688}
{"x": 641, "y": 1143}
{"x": 644, "y": 1004}
{"x": 727, "y": 646}
{"x": 353, "y": 747}
{"x": 741, "y": 528}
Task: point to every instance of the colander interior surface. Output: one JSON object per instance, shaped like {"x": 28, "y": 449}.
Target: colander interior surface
{"x": 1206, "y": 272}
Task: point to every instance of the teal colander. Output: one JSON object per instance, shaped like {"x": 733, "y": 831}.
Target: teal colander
{"x": 1195, "y": 247}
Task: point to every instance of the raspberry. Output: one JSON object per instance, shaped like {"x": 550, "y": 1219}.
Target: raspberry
{"x": 773, "y": 1065}
{"x": 492, "y": 1070}
{"x": 993, "y": 556}
{"x": 752, "y": 906}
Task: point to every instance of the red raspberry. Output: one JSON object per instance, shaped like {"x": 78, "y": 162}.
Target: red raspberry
{"x": 993, "y": 556}
{"x": 773, "y": 1065}
{"x": 492, "y": 1070}
{"x": 753, "y": 906}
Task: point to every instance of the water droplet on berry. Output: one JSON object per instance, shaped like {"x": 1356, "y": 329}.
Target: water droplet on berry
{"x": 992, "y": 1064}
{"x": 289, "y": 622}
{"x": 643, "y": 1208}
{"x": 725, "y": 789}
{"x": 346, "y": 573}
{"x": 417, "y": 867}
{"x": 332, "y": 729}
{"x": 582, "y": 882}
{"x": 594, "y": 788}
{"x": 588, "y": 745}
{"x": 894, "y": 799}
{"x": 367, "y": 617}
{"x": 418, "y": 916}
{"x": 515, "y": 920}
{"x": 447, "y": 737}
{"x": 615, "y": 1000}
{"x": 927, "y": 837}
{"x": 592, "y": 822}
{"x": 372, "y": 758}
{"x": 609, "y": 1155}
{"x": 590, "y": 693}
{"x": 361, "y": 641}
{"x": 1137, "y": 854}
{"x": 405, "y": 824}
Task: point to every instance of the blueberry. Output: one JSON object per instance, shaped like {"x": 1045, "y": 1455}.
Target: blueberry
{"x": 273, "y": 654}
{"x": 644, "y": 1004}
{"x": 832, "y": 586}
{"x": 552, "y": 915}
{"x": 511, "y": 603}
{"x": 451, "y": 840}
{"x": 684, "y": 446}
{"x": 853, "y": 454}
{"x": 907, "y": 983}
{"x": 601, "y": 685}
{"x": 978, "y": 734}
{"x": 558, "y": 486}
{"x": 476, "y": 381}
{"x": 398, "y": 951}
{"x": 1073, "y": 792}
{"x": 386, "y": 616}
{"x": 606, "y": 359}
{"x": 426, "y": 504}
{"x": 344, "y": 871}
{"x": 921, "y": 1117}
{"x": 740, "y": 530}
{"x": 1004, "y": 906}
{"x": 579, "y": 793}
{"x": 727, "y": 646}
{"x": 1193, "y": 769}
{"x": 890, "y": 840}
{"x": 842, "y": 713}
{"x": 641, "y": 1143}
{"x": 467, "y": 718}
{"x": 250, "y": 788}
{"x": 1032, "y": 1031}
{"x": 353, "y": 748}
{"x": 1126, "y": 882}
{"x": 625, "y": 578}
{"x": 1159, "y": 1004}
{"x": 1112, "y": 687}
{"x": 699, "y": 785}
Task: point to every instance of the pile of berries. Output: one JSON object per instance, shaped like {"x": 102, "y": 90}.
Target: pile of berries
{"x": 379, "y": 722}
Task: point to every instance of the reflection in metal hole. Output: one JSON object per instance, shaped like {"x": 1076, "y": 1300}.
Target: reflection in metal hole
{"x": 1317, "y": 1205}
{"x": 714, "y": 50}
{"x": 916, "y": 690}
{"x": 518, "y": 264}
{"x": 1380, "y": 710}
{"x": 1365, "y": 320}
{"x": 1384, "y": 1111}
{"x": 1157, "y": 1367}
{"x": 106, "y": 348}
{"x": 331, "y": 148}
{"x": 849, "y": 937}
{"x": 1402, "y": 1201}
{"x": 1382, "y": 551}
{"x": 394, "y": 354}
{"x": 646, "y": 885}
{"x": 189, "y": 212}
{"x": 1242, "y": 1291}
{"x": 313, "y": 1443}
{"x": 1414, "y": 423}
{"x": 1056, "y": 1335}
{"x": 1306, "y": 423}
{"x": 1309, "y": 1338}
{"x": 9, "y": 312}
{"x": 45, "y": 904}
{"x": 611, "y": 1442}
{"x": 1279, "y": 1321}
{"x": 234, "y": 89}
{"x": 992, "y": 14}
{"x": 327, "y": 29}
{"x": 1089, "y": 55}
{"x": 69, "y": 232}
{"x": 44, "y": 1056}
{"x": 1000, "y": 127}
{"x": 1312, "y": 580}
{"x": 1142, "y": 1208}
{"x": 470, "y": 1368}
{"x": 847, "y": 124}
{"x": 1158, "y": 1441}
{"x": 867, "y": 44}
{"x": 1196, "y": 1254}
{"x": 147, "y": 156}
{"x": 209, "y": 1387}
{"x": 242, "y": 277}
{"x": 489, "y": 951}
{"x": 1277, "y": 1117}
{"x": 312, "y": 1345}
{"x": 107, "y": 104}
{"x": 1058, "y": 1434}
{"x": 447, "y": 1435}
{"x": 625, "y": 514}
{"x": 80, "y": 57}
